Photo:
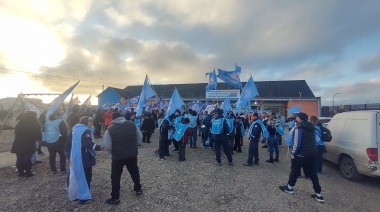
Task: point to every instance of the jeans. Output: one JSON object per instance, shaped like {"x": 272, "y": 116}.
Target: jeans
{"x": 164, "y": 147}
{"x": 24, "y": 163}
{"x": 53, "y": 149}
{"x": 231, "y": 140}
{"x": 146, "y": 136}
{"x": 206, "y": 135}
{"x": 193, "y": 138}
{"x": 237, "y": 145}
{"x": 307, "y": 163}
{"x": 226, "y": 148}
{"x": 117, "y": 167}
{"x": 253, "y": 151}
{"x": 273, "y": 145}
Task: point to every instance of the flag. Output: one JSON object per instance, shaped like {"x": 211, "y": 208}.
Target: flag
{"x": 196, "y": 106}
{"x": 226, "y": 105}
{"x": 30, "y": 106}
{"x": 135, "y": 100}
{"x": 175, "y": 102}
{"x": 212, "y": 82}
{"x": 248, "y": 93}
{"x": 158, "y": 101}
{"x": 146, "y": 92}
{"x": 232, "y": 78}
{"x": 84, "y": 105}
{"x": 294, "y": 109}
{"x": 58, "y": 101}
{"x": 148, "y": 106}
{"x": 210, "y": 108}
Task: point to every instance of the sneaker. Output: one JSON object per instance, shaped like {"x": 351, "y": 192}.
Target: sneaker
{"x": 247, "y": 164}
{"x": 113, "y": 201}
{"x": 138, "y": 192}
{"x": 218, "y": 163}
{"x": 230, "y": 163}
{"x": 83, "y": 202}
{"x": 163, "y": 158}
{"x": 319, "y": 199}
{"x": 31, "y": 174}
{"x": 62, "y": 173}
{"x": 53, "y": 173}
{"x": 21, "y": 174}
{"x": 256, "y": 163}
{"x": 286, "y": 189}
{"x": 276, "y": 160}
{"x": 270, "y": 161}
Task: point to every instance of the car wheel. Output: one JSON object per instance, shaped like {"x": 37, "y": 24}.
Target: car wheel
{"x": 348, "y": 169}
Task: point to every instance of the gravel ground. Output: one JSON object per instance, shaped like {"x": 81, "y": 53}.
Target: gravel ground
{"x": 194, "y": 185}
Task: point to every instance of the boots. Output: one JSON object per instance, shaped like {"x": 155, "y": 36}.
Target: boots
{"x": 270, "y": 160}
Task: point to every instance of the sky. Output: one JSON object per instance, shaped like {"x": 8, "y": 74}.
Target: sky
{"x": 48, "y": 45}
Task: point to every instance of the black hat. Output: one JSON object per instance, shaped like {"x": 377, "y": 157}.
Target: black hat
{"x": 303, "y": 116}
{"x": 116, "y": 115}
{"x": 255, "y": 114}
{"x": 219, "y": 111}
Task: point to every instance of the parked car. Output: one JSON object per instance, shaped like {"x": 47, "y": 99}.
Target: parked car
{"x": 355, "y": 143}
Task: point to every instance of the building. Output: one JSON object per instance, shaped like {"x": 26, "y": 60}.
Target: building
{"x": 274, "y": 96}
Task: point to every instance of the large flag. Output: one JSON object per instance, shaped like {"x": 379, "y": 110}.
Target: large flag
{"x": 158, "y": 101}
{"x": 232, "y": 78}
{"x": 59, "y": 100}
{"x": 212, "y": 82}
{"x": 294, "y": 109}
{"x": 249, "y": 92}
{"x": 86, "y": 103}
{"x": 226, "y": 105}
{"x": 175, "y": 102}
{"x": 146, "y": 92}
{"x": 30, "y": 106}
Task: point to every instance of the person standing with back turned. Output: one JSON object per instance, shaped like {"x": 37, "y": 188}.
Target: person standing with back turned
{"x": 121, "y": 140}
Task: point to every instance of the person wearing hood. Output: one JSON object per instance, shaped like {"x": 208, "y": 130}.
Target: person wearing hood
{"x": 303, "y": 154}
{"x": 219, "y": 132}
{"x": 82, "y": 159}
{"x": 121, "y": 140}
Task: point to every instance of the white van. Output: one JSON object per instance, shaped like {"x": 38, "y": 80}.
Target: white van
{"x": 355, "y": 143}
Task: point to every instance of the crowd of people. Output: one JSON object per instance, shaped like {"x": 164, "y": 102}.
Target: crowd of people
{"x": 73, "y": 140}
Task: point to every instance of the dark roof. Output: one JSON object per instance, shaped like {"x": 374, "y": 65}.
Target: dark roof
{"x": 267, "y": 89}
{"x": 124, "y": 92}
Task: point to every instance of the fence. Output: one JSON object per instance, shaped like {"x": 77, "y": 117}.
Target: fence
{"x": 329, "y": 111}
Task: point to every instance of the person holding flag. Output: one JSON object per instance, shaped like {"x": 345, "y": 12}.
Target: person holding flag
{"x": 181, "y": 135}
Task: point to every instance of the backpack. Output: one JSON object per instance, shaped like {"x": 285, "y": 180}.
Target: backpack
{"x": 325, "y": 134}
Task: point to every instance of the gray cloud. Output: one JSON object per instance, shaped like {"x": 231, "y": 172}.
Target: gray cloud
{"x": 370, "y": 64}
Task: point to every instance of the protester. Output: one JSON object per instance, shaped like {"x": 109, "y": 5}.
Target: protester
{"x": 273, "y": 139}
{"x": 219, "y": 131}
{"x": 55, "y": 136}
{"x": 239, "y": 134}
{"x": 147, "y": 128}
{"x": 82, "y": 160}
{"x": 98, "y": 121}
{"x": 166, "y": 135}
{"x": 193, "y": 125}
{"x": 207, "y": 126}
{"x": 303, "y": 154}
{"x": 121, "y": 140}
{"x": 291, "y": 121}
{"x": 27, "y": 132}
{"x": 107, "y": 117}
{"x": 232, "y": 124}
{"x": 181, "y": 135}
{"x": 320, "y": 145}
{"x": 254, "y": 134}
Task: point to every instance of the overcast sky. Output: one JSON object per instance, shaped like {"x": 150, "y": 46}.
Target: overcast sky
{"x": 47, "y": 45}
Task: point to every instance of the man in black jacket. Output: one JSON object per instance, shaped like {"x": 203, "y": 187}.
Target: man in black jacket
{"x": 303, "y": 156}
{"x": 121, "y": 140}
{"x": 166, "y": 134}
{"x": 254, "y": 136}
{"x": 219, "y": 132}
{"x": 147, "y": 128}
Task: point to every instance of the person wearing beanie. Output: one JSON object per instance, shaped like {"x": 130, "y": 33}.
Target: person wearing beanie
{"x": 121, "y": 139}
{"x": 82, "y": 160}
{"x": 303, "y": 155}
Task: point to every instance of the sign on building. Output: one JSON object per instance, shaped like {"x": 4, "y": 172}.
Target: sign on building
{"x": 222, "y": 94}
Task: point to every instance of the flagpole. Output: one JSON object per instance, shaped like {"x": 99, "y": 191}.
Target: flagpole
{"x": 217, "y": 100}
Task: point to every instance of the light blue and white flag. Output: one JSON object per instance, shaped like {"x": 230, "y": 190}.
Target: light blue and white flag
{"x": 146, "y": 92}
{"x": 197, "y": 106}
{"x": 226, "y": 105}
{"x": 175, "y": 103}
{"x": 59, "y": 100}
{"x": 249, "y": 92}
{"x": 294, "y": 109}
{"x": 212, "y": 81}
{"x": 232, "y": 78}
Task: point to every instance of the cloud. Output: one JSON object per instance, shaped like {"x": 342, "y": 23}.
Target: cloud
{"x": 370, "y": 64}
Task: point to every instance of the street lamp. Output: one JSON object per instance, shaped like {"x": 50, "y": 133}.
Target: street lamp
{"x": 333, "y": 102}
